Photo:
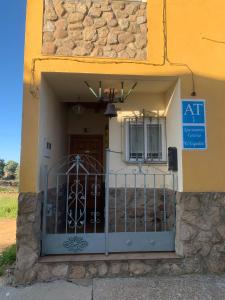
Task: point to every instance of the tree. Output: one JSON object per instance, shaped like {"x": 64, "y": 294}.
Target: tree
{"x": 2, "y": 165}
{"x": 17, "y": 174}
{"x": 10, "y": 169}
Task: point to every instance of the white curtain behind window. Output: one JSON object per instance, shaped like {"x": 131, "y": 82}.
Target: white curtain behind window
{"x": 154, "y": 141}
{"x": 136, "y": 141}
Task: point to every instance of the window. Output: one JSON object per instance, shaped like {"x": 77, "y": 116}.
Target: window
{"x": 146, "y": 139}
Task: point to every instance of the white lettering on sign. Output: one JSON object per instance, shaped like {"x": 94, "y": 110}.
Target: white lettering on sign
{"x": 189, "y": 109}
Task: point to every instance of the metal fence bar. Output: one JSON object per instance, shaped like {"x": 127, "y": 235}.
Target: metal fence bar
{"x": 164, "y": 203}
{"x": 95, "y": 213}
{"x": 154, "y": 191}
{"x": 85, "y": 204}
{"x": 57, "y": 203}
{"x": 76, "y": 203}
{"x": 107, "y": 203}
{"x": 135, "y": 202}
{"x": 174, "y": 204}
{"x": 125, "y": 204}
{"x": 44, "y": 227}
{"x": 115, "y": 212}
{"x": 67, "y": 201}
{"x": 145, "y": 204}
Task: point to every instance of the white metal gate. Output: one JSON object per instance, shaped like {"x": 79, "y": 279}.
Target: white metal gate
{"x": 87, "y": 210}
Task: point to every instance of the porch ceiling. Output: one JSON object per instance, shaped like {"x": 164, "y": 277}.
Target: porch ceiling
{"x": 71, "y": 88}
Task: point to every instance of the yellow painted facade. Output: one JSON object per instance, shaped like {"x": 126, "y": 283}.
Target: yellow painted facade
{"x": 195, "y": 37}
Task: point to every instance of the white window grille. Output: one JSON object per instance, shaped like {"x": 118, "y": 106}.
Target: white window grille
{"x": 146, "y": 139}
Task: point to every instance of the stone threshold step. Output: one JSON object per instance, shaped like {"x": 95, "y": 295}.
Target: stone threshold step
{"x": 110, "y": 257}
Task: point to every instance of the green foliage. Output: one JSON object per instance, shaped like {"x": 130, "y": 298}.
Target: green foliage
{"x": 7, "y": 258}
{"x": 2, "y": 166}
{"x": 9, "y": 189}
{"x": 17, "y": 173}
{"x": 8, "y": 205}
{"x": 10, "y": 169}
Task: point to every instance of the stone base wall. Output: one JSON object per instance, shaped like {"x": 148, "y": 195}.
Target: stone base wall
{"x": 200, "y": 229}
{"x": 125, "y": 268}
{"x": 139, "y": 212}
{"x": 200, "y": 243}
{"x": 28, "y": 236}
{"x": 96, "y": 28}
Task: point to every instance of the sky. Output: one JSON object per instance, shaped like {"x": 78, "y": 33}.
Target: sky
{"x": 12, "y": 27}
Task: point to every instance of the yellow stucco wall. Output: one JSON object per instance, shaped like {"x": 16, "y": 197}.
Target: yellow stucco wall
{"x": 194, "y": 30}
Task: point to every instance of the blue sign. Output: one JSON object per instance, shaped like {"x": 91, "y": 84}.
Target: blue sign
{"x": 194, "y": 124}
{"x": 193, "y": 112}
{"x": 194, "y": 137}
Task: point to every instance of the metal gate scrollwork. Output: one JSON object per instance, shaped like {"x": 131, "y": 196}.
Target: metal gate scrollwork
{"x": 87, "y": 210}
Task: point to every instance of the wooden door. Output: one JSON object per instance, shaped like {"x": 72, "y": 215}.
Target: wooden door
{"x": 87, "y": 144}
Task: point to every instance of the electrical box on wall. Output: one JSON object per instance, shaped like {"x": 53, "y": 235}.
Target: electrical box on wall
{"x": 47, "y": 148}
{"x": 172, "y": 159}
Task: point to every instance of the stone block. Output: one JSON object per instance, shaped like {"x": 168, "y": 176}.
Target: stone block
{"x": 65, "y": 51}
{"x": 89, "y": 33}
{"x": 59, "y": 8}
{"x": 81, "y": 8}
{"x": 126, "y": 38}
{"x": 112, "y": 23}
{"x": 98, "y": 23}
{"x": 26, "y": 257}
{"x": 221, "y": 230}
{"x": 48, "y": 37}
{"x": 60, "y": 271}
{"x": 141, "y": 20}
{"x": 60, "y": 34}
{"x": 95, "y": 12}
{"x": 140, "y": 41}
{"x": 115, "y": 268}
{"x": 44, "y": 272}
{"x": 124, "y": 23}
{"x": 77, "y": 272}
{"x": 112, "y": 38}
{"x": 75, "y": 17}
{"x": 137, "y": 268}
{"x": 75, "y": 26}
{"x": 118, "y": 5}
{"x": 110, "y": 53}
{"x": 27, "y": 203}
{"x": 88, "y": 21}
{"x": 50, "y": 14}
{"x": 103, "y": 32}
{"x": 61, "y": 24}
{"x": 192, "y": 203}
{"x": 102, "y": 269}
{"x": 84, "y": 48}
{"x": 49, "y": 26}
{"x": 108, "y": 16}
{"x": 92, "y": 269}
{"x": 141, "y": 54}
{"x": 187, "y": 232}
{"x": 132, "y": 8}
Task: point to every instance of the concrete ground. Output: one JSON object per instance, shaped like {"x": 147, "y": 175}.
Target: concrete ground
{"x": 189, "y": 287}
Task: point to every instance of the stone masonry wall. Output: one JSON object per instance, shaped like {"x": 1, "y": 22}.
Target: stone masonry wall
{"x": 96, "y": 28}
{"x": 28, "y": 236}
{"x": 200, "y": 244}
{"x": 137, "y": 209}
{"x": 200, "y": 229}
